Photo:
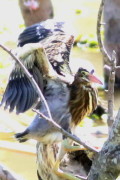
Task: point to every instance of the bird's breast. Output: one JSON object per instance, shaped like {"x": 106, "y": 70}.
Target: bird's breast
{"x": 51, "y": 138}
{"x": 83, "y": 101}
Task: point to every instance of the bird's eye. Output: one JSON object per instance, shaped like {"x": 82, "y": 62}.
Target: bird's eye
{"x": 83, "y": 73}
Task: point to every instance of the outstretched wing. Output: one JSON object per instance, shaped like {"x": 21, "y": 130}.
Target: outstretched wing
{"x": 44, "y": 50}
{"x": 40, "y": 31}
{"x": 56, "y": 40}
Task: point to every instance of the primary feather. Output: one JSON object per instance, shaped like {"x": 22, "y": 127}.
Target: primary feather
{"x": 44, "y": 49}
{"x": 57, "y": 45}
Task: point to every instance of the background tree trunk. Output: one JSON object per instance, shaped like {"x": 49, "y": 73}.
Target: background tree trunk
{"x": 34, "y": 11}
{"x": 112, "y": 32}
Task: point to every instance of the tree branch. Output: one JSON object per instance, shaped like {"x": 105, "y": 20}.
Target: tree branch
{"x": 111, "y": 84}
{"x": 81, "y": 177}
{"x": 59, "y": 128}
{"x": 111, "y": 63}
{"x": 30, "y": 77}
{"x": 100, "y": 43}
{"x": 106, "y": 165}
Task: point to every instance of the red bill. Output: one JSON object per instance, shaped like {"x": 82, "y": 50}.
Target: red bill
{"x": 94, "y": 79}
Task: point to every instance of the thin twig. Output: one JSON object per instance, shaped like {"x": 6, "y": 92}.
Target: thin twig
{"x": 106, "y": 165}
{"x": 111, "y": 66}
{"x": 59, "y": 128}
{"x": 107, "y": 58}
{"x": 111, "y": 84}
{"x": 117, "y": 67}
{"x": 30, "y": 77}
{"x": 81, "y": 177}
{"x": 49, "y": 118}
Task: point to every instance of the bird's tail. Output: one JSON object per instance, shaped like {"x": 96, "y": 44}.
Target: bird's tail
{"x": 22, "y": 137}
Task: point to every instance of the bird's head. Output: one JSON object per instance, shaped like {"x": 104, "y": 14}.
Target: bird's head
{"x": 86, "y": 77}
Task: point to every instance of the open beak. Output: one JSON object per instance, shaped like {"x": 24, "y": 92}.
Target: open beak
{"x": 94, "y": 79}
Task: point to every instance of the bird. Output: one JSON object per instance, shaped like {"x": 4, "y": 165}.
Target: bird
{"x": 44, "y": 49}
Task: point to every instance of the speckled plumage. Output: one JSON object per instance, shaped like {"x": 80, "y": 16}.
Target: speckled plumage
{"x": 57, "y": 45}
{"x": 82, "y": 102}
{"x": 68, "y": 103}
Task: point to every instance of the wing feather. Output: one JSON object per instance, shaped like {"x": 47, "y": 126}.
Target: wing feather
{"x": 11, "y": 98}
{"x": 56, "y": 40}
{"x": 40, "y": 31}
{"x": 20, "y": 93}
{"x": 44, "y": 49}
{"x": 21, "y": 104}
{"x": 16, "y": 100}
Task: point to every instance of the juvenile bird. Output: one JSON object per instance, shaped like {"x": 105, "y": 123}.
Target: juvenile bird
{"x": 69, "y": 101}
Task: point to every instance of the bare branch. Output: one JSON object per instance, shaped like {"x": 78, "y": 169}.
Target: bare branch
{"x": 117, "y": 67}
{"x": 106, "y": 166}
{"x": 73, "y": 137}
{"x": 111, "y": 66}
{"x": 81, "y": 177}
{"x": 59, "y": 128}
{"x": 107, "y": 58}
{"x": 111, "y": 84}
{"x": 30, "y": 77}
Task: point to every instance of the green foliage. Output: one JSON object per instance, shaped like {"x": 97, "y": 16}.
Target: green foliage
{"x": 1, "y": 65}
{"x": 78, "y": 11}
{"x": 22, "y": 26}
{"x": 93, "y": 44}
{"x": 87, "y": 41}
{"x": 4, "y": 29}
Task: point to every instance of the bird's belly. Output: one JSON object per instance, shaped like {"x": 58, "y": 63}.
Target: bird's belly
{"x": 50, "y": 138}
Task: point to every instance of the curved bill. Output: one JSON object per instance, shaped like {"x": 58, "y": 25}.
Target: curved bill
{"x": 94, "y": 79}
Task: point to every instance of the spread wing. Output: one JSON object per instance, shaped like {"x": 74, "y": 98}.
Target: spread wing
{"x": 56, "y": 40}
{"x": 44, "y": 49}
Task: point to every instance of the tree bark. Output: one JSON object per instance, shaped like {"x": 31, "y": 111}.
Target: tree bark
{"x": 112, "y": 33}
{"x": 106, "y": 165}
{"x": 32, "y": 15}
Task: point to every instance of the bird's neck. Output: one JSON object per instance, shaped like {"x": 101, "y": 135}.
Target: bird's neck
{"x": 83, "y": 100}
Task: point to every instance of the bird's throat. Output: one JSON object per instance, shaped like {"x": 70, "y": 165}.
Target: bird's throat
{"x": 83, "y": 100}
